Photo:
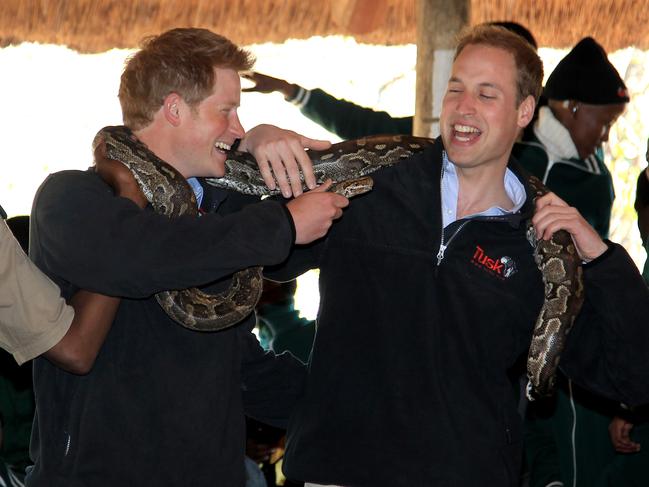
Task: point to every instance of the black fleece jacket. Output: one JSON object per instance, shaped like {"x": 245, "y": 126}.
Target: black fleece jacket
{"x": 163, "y": 405}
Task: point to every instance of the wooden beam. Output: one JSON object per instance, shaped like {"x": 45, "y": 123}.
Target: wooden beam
{"x": 438, "y": 23}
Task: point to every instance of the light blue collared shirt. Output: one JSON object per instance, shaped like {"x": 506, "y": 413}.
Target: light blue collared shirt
{"x": 198, "y": 190}
{"x": 450, "y": 187}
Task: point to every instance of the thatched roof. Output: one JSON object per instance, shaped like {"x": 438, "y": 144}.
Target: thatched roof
{"x": 99, "y": 25}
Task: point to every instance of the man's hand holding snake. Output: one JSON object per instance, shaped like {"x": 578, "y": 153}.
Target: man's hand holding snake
{"x": 280, "y": 153}
{"x": 314, "y": 211}
{"x": 553, "y": 214}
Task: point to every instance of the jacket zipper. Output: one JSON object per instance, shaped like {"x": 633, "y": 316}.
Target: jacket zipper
{"x": 443, "y": 246}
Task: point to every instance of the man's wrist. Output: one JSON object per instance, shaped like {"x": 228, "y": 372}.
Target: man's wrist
{"x": 596, "y": 255}
{"x": 290, "y": 91}
{"x": 607, "y": 251}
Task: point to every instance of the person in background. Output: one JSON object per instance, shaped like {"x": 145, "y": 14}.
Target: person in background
{"x": 344, "y": 118}
{"x": 585, "y": 96}
{"x": 281, "y": 328}
{"x": 629, "y": 429}
{"x": 629, "y": 436}
{"x": 641, "y": 206}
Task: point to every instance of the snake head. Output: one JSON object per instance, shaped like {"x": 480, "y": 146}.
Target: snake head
{"x": 353, "y": 187}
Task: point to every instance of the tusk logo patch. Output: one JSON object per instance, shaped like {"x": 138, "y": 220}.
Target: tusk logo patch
{"x": 502, "y": 267}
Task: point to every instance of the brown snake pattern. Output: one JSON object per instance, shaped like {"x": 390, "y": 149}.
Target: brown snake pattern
{"x": 560, "y": 266}
{"x": 349, "y": 164}
{"x": 170, "y": 195}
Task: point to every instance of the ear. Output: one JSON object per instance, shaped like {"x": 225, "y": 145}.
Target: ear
{"x": 171, "y": 108}
{"x": 526, "y": 111}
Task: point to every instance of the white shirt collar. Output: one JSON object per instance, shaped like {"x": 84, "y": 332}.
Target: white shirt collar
{"x": 450, "y": 187}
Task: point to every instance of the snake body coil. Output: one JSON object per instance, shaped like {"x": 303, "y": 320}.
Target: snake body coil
{"x": 344, "y": 161}
{"x": 560, "y": 266}
{"x": 348, "y": 164}
{"x": 170, "y": 195}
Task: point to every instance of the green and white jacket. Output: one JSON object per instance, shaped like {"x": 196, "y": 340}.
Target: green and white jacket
{"x": 549, "y": 153}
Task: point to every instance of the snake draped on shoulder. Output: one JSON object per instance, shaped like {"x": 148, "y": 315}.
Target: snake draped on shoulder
{"x": 349, "y": 165}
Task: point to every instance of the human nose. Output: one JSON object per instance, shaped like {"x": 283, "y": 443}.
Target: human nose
{"x": 235, "y": 126}
{"x": 465, "y": 103}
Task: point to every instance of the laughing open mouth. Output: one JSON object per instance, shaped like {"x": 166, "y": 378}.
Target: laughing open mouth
{"x": 465, "y": 133}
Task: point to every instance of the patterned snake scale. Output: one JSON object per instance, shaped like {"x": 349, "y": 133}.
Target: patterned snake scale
{"x": 560, "y": 267}
{"x": 348, "y": 164}
{"x": 170, "y": 195}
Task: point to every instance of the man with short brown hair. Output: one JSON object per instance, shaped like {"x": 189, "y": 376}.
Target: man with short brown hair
{"x": 429, "y": 295}
{"x": 163, "y": 404}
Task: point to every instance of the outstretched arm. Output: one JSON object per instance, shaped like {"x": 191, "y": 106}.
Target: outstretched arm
{"x": 93, "y": 312}
{"x": 267, "y": 84}
{"x": 77, "y": 350}
{"x": 345, "y": 119}
{"x": 34, "y": 319}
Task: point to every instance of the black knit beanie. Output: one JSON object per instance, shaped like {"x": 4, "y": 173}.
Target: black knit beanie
{"x": 586, "y": 75}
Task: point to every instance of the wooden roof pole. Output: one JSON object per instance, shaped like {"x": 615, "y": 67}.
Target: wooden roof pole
{"x": 438, "y": 23}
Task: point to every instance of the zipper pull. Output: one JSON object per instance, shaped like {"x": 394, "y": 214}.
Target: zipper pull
{"x": 440, "y": 254}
